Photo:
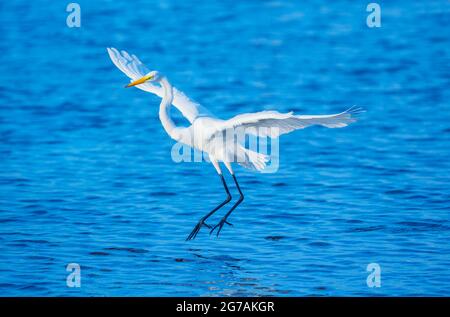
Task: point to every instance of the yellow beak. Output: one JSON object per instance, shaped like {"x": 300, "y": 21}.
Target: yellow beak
{"x": 139, "y": 81}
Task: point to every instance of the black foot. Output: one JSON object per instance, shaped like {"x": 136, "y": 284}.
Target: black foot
{"x": 197, "y": 227}
{"x": 220, "y": 225}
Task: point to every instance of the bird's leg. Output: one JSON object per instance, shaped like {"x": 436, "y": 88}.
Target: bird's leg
{"x": 202, "y": 220}
{"x": 224, "y": 219}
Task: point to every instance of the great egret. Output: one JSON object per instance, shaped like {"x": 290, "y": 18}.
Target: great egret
{"x": 206, "y": 132}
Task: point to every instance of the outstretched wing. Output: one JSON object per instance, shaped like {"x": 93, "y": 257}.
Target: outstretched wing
{"x": 269, "y": 124}
{"x": 131, "y": 66}
{"x": 273, "y": 124}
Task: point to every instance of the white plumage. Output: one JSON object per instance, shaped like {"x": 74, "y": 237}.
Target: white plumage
{"x": 131, "y": 66}
{"x": 206, "y": 130}
{"x": 216, "y": 137}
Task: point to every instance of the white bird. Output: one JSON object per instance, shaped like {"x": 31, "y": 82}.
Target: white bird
{"x": 206, "y": 132}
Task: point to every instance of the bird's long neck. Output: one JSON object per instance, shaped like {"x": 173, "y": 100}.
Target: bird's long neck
{"x": 164, "y": 108}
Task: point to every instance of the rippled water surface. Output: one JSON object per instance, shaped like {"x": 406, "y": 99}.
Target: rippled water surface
{"x": 86, "y": 174}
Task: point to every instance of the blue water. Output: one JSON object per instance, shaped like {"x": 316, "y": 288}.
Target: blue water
{"x": 86, "y": 174}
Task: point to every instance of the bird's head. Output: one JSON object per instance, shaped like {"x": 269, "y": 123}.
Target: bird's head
{"x": 151, "y": 76}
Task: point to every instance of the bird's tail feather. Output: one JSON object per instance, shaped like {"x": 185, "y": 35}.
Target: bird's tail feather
{"x": 253, "y": 160}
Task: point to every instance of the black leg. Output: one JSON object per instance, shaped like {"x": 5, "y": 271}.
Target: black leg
{"x": 203, "y": 219}
{"x": 224, "y": 219}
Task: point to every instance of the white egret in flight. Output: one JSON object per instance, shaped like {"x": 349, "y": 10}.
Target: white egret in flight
{"x": 206, "y": 132}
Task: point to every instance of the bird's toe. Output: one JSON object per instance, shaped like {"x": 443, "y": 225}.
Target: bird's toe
{"x": 196, "y": 229}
